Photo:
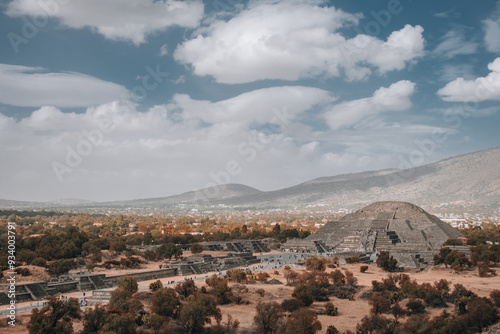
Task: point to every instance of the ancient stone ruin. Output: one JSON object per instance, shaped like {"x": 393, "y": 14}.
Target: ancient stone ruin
{"x": 409, "y": 233}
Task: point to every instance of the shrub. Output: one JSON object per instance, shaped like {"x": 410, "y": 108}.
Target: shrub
{"x": 303, "y": 321}
{"x": 363, "y": 269}
{"x": 354, "y": 259}
{"x": 196, "y": 248}
{"x": 261, "y": 292}
{"x": 332, "y": 330}
{"x": 495, "y": 297}
{"x": 197, "y": 312}
{"x": 166, "y": 303}
{"x": 269, "y": 318}
{"x": 155, "y": 286}
{"x": 380, "y": 304}
{"x": 262, "y": 276}
{"x": 415, "y": 306}
{"x": 387, "y": 262}
{"x": 331, "y": 309}
{"x": 128, "y": 284}
{"x": 23, "y": 271}
{"x": 186, "y": 288}
{"x": 291, "y": 304}
{"x": 39, "y": 262}
{"x": 303, "y": 293}
{"x": 484, "y": 270}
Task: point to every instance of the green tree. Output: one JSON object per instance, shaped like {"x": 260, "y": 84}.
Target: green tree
{"x": 186, "y": 288}
{"x": 94, "y": 319}
{"x": 55, "y": 318}
{"x": 169, "y": 250}
{"x": 155, "y": 322}
{"x": 199, "y": 310}
{"x": 119, "y": 323}
{"x": 269, "y": 318}
{"x": 220, "y": 289}
{"x": 128, "y": 284}
{"x": 166, "y": 303}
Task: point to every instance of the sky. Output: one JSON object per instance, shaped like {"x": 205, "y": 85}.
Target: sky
{"x": 123, "y": 99}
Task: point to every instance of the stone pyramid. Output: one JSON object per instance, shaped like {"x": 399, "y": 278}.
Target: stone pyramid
{"x": 405, "y": 230}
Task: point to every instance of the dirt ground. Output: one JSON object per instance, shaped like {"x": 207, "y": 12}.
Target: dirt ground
{"x": 350, "y": 312}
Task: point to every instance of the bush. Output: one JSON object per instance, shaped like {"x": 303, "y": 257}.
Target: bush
{"x": 303, "y": 321}
{"x": 416, "y": 306}
{"x": 303, "y": 293}
{"x": 354, "y": 259}
{"x": 484, "y": 270}
{"x": 262, "y": 276}
{"x": 387, "y": 262}
{"x": 61, "y": 267}
{"x": 186, "y": 288}
{"x": 39, "y": 262}
{"x": 363, "y": 269}
{"x": 291, "y": 304}
{"x": 166, "y": 303}
{"x": 196, "y": 248}
{"x": 380, "y": 304}
{"x": 155, "y": 286}
{"x": 128, "y": 284}
{"x": 495, "y": 297}
{"x": 23, "y": 271}
{"x": 269, "y": 318}
{"x": 331, "y": 309}
{"x": 332, "y": 330}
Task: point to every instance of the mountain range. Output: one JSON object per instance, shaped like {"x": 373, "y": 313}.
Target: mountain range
{"x": 467, "y": 182}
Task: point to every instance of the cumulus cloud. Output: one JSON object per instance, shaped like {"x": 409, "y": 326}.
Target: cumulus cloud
{"x": 479, "y": 89}
{"x": 113, "y": 148}
{"x": 393, "y": 98}
{"x": 491, "y": 29}
{"x": 129, "y": 20}
{"x": 34, "y": 87}
{"x": 290, "y": 40}
{"x": 454, "y": 43}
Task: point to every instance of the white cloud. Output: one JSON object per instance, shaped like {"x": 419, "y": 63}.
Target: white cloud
{"x": 187, "y": 144}
{"x": 34, "y": 87}
{"x": 479, "y": 89}
{"x": 290, "y": 40}
{"x": 450, "y": 72}
{"x": 164, "y": 50}
{"x": 166, "y": 150}
{"x": 129, "y": 20}
{"x": 393, "y": 98}
{"x": 454, "y": 43}
{"x": 491, "y": 29}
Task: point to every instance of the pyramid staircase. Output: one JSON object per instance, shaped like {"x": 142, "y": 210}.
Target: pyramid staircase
{"x": 97, "y": 282}
{"x": 36, "y": 291}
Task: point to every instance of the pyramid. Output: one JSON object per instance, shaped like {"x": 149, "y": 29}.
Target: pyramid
{"x": 409, "y": 233}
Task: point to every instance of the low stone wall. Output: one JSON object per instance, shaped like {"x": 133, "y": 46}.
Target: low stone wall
{"x": 143, "y": 276}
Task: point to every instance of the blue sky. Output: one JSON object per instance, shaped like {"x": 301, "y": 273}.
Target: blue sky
{"x": 122, "y": 99}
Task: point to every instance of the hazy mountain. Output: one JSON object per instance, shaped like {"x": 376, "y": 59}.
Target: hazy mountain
{"x": 466, "y": 181}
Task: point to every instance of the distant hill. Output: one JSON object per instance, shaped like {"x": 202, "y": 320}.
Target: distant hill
{"x": 466, "y": 181}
